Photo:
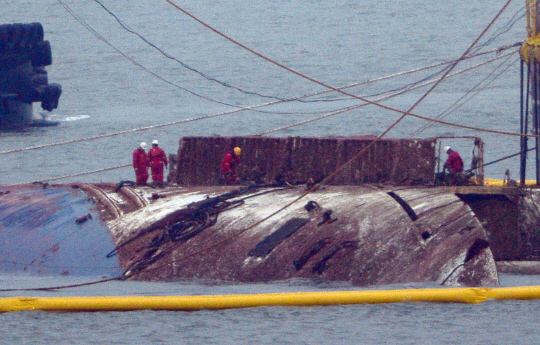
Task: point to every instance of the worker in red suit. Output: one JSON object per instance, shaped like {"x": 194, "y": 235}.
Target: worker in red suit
{"x": 229, "y": 164}
{"x": 157, "y": 159}
{"x": 140, "y": 164}
{"x": 454, "y": 163}
{"x": 455, "y": 175}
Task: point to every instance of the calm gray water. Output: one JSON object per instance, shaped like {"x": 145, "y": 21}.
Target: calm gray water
{"x": 337, "y": 42}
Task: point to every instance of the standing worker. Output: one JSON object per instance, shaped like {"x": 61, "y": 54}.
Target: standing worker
{"x": 229, "y": 164}
{"x": 157, "y": 159}
{"x": 454, "y": 163}
{"x": 140, "y": 164}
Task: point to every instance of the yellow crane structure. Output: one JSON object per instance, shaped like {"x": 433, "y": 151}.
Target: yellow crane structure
{"x": 530, "y": 88}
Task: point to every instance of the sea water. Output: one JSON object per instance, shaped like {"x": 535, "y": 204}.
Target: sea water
{"x": 142, "y": 64}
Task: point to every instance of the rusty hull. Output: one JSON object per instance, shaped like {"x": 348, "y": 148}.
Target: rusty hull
{"x": 357, "y": 234}
{"x": 265, "y": 160}
{"x": 364, "y": 235}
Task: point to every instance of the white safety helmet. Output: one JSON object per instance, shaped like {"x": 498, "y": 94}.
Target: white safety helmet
{"x": 154, "y": 142}
{"x": 446, "y": 149}
{"x": 143, "y": 145}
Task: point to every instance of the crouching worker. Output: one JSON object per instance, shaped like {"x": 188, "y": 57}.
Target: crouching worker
{"x": 452, "y": 173}
{"x": 453, "y": 163}
{"x": 229, "y": 164}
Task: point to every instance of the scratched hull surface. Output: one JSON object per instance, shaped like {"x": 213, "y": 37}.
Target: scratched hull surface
{"x": 352, "y": 234}
{"x": 362, "y": 235}
{"x": 39, "y": 233}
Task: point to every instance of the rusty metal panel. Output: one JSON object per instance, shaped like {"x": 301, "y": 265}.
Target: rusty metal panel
{"x": 265, "y": 160}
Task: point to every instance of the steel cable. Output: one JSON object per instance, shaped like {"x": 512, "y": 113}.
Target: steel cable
{"x": 404, "y": 113}
{"x": 378, "y": 99}
{"x": 457, "y": 105}
{"x": 131, "y": 60}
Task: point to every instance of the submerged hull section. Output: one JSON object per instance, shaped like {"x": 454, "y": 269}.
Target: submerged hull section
{"x": 349, "y": 234}
{"x": 53, "y": 231}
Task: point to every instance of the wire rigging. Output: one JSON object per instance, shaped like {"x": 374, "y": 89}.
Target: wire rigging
{"x": 461, "y": 101}
{"x": 183, "y": 64}
{"x": 251, "y": 108}
{"x": 377, "y": 99}
{"x": 520, "y": 14}
{"x": 169, "y": 56}
{"x": 236, "y": 111}
{"x": 404, "y": 113}
{"x": 88, "y": 27}
{"x": 327, "y": 115}
{"x": 134, "y": 62}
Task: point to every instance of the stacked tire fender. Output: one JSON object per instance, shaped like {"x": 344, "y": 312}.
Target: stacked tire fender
{"x": 23, "y": 56}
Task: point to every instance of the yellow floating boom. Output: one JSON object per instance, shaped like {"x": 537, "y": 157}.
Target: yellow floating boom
{"x": 192, "y": 303}
{"x": 502, "y": 183}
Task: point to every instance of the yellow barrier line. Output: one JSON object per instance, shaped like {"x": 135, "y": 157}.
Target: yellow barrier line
{"x": 500, "y": 183}
{"x": 192, "y": 303}
{"x": 520, "y": 292}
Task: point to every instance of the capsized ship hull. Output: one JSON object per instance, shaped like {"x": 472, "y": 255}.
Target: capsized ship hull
{"x": 358, "y": 234}
{"x": 338, "y": 233}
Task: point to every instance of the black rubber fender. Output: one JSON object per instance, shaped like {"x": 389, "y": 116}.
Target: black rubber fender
{"x": 36, "y": 33}
{"x": 51, "y": 96}
{"x": 19, "y": 36}
{"x": 42, "y": 54}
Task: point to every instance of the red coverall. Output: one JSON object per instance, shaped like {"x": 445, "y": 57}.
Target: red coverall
{"x": 157, "y": 158}
{"x": 140, "y": 164}
{"x": 454, "y": 162}
{"x": 228, "y": 167}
